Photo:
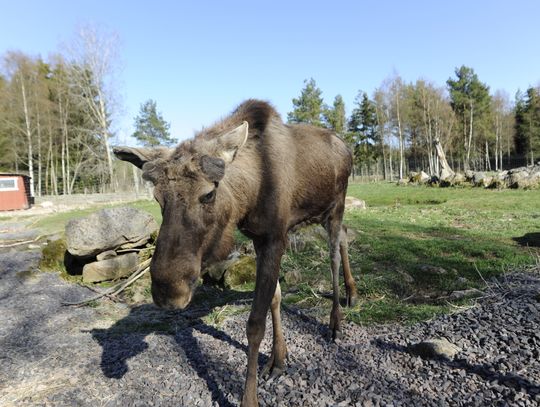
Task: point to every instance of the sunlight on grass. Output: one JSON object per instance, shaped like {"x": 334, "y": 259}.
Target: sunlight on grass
{"x": 469, "y": 233}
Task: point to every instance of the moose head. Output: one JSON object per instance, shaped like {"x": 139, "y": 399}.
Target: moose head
{"x": 197, "y": 208}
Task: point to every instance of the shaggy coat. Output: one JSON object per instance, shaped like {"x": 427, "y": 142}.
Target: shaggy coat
{"x": 252, "y": 172}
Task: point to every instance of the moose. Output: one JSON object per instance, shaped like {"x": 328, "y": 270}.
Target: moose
{"x": 252, "y": 172}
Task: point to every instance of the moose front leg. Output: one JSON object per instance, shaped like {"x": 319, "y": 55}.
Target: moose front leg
{"x": 276, "y": 363}
{"x": 269, "y": 254}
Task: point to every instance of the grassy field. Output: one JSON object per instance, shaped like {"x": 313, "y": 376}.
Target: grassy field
{"x": 414, "y": 245}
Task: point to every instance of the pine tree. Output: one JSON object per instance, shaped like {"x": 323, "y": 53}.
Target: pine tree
{"x": 471, "y": 102}
{"x": 151, "y": 129}
{"x": 527, "y": 114}
{"x": 335, "y": 116}
{"x": 362, "y": 130}
{"x": 308, "y": 108}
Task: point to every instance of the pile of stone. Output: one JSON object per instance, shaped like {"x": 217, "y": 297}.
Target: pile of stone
{"x": 107, "y": 243}
{"x": 522, "y": 177}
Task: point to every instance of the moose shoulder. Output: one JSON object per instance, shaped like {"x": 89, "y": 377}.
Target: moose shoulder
{"x": 251, "y": 171}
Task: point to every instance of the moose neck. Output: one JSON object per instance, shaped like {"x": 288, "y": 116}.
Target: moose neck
{"x": 243, "y": 181}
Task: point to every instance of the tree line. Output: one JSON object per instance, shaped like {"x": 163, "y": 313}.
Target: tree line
{"x": 57, "y": 118}
{"x": 398, "y": 127}
{"x": 56, "y": 115}
{"x": 57, "y": 122}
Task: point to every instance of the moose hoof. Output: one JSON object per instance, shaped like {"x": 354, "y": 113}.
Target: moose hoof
{"x": 336, "y": 334}
{"x": 272, "y": 369}
{"x": 351, "y": 301}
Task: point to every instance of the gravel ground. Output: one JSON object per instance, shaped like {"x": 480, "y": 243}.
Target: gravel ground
{"x": 114, "y": 355}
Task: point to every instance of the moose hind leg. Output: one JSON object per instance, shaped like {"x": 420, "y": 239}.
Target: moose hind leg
{"x": 276, "y": 364}
{"x": 333, "y": 227}
{"x": 350, "y": 285}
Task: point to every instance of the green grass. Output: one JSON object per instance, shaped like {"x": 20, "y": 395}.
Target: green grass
{"x": 467, "y": 231}
{"x": 472, "y": 233}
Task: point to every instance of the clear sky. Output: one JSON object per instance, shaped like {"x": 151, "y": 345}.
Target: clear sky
{"x": 199, "y": 59}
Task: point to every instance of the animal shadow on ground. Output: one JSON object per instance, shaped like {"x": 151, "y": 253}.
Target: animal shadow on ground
{"x": 485, "y": 370}
{"x": 126, "y": 339}
{"x": 529, "y": 239}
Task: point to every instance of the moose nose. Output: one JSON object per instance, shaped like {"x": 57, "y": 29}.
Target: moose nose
{"x": 168, "y": 299}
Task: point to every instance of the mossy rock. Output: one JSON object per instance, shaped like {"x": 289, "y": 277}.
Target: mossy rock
{"x": 241, "y": 272}
{"x": 52, "y": 258}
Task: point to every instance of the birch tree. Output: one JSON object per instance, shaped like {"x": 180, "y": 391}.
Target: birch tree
{"x": 93, "y": 68}
{"x": 22, "y": 75}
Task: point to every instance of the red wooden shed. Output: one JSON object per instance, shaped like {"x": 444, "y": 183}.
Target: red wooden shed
{"x": 15, "y": 192}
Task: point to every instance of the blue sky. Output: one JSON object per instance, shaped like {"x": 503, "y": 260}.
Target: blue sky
{"x": 199, "y": 59}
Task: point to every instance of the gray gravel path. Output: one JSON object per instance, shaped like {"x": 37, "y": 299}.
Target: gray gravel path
{"x": 112, "y": 355}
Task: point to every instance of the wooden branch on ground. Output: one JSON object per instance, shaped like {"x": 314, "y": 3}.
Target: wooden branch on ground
{"x": 117, "y": 289}
{"x": 3, "y": 246}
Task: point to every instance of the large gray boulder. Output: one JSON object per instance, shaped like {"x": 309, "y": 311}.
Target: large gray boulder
{"x": 109, "y": 229}
{"x": 110, "y": 269}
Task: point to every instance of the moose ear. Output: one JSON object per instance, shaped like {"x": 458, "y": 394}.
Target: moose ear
{"x": 152, "y": 170}
{"x": 231, "y": 142}
{"x": 139, "y": 156}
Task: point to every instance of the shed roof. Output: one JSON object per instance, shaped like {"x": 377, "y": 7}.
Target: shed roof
{"x": 14, "y": 174}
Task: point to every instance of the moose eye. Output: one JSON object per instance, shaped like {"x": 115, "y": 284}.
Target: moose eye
{"x": 209, "y": 197}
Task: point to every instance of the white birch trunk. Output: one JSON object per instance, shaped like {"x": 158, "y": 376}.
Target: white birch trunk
{"x": 28, "y": 137}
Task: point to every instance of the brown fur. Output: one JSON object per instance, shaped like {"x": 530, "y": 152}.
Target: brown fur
{"x": 283, "y": 176}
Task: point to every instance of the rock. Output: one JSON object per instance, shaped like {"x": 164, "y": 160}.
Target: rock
{"x": 403, "y": 181}
{"x": 478, "y": 178}
{"x": 469, "y": 175}
{"x": 109, "y": 229}
{"x": 242, "y": 271}
{"x": 419, "y": 177}
{"x": 446, "y": 174}
{"x": 434, "y": 270}
{"x": 110, "y": 269}
{"x": 52, "y": 257}
{"x": 462, "y": 294}
{"x": 434, "y": 348}
{"x": 412, "y": 176}
{"x": 516, "y": 176}
{"x": 529, "y": 182}
{"x": 497, "y": 182}
{"x": 354, "y": 203}
{"x": 423, "y": 177}
{"x": 458, "y": 178}
{"x": 109, "y": 254}
{"x": 217, "y": 270}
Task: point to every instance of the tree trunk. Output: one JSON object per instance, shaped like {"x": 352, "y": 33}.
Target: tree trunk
{"x": 28, "y": 137}
{"x": 39, "y": 153}
{"x": 441, "y": 157}
{"x": 105, "y": 134}
{"x": 400, "y": 135}
{"x": 488, "y": 163}
{"x": 469, "y": 142}
{"x": 497, "y": 142}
